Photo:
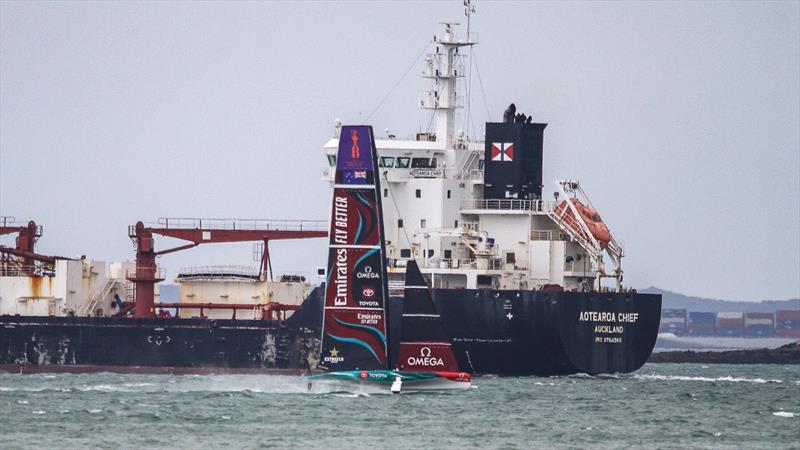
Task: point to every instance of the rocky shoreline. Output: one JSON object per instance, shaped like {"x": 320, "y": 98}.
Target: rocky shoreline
{"x": 787, "y": 354}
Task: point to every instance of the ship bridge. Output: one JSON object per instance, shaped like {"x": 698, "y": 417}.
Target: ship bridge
{"x": 471, "y": 211}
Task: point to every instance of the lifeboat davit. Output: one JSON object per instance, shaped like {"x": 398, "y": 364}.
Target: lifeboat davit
{"x": 590, "y": 217}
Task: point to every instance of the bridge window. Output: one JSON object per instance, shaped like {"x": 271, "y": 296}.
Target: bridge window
{"x": 448, "y": 254}
{"x": 386, "y": 161}
{"x": 399, "y": 223}
{"x": 402, "y": 163}
{"x": 405, "y": 253}
{"x": 448, "y": 193}
{"x": 418, "y": 193}
{"x": 423, "y": 163}
{"x": 423, "y": 223}
{"x": 385, "y": 192}
{"x": 332, "y": 160}
{"x": 485, "y": 281}
{"x": 430, "y": 253}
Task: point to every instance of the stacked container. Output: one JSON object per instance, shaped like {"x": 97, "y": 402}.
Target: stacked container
{"x": 673, "y": 321}
{"x": 702, "y": 323}
{"x": 730, "y": 324}
{"x": 759, "y": 324}
{"x": 787, "y": 322}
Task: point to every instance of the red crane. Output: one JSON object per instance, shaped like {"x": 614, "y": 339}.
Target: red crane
{"x": 206, "y": 231}
{"x": 27, "y": 235}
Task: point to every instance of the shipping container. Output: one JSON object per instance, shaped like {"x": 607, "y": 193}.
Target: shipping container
{"x": 759, "y": 324}
{"x": 787, "y": 322}
{"x": 701, "y": 330}
{"x": 759, "y": 330}
{"x": 730, "y": 324}
{"x": 698, "y": 318}
{"x": 702, "y": 323}
{"x": 673, "y": 321}
{"x": 730, "y": 331}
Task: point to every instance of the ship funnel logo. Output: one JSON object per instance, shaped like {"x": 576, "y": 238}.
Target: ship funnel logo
{"x": 502, "y": 151}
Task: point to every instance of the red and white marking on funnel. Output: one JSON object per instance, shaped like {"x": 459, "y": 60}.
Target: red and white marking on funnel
{"x": 502, "y": 151}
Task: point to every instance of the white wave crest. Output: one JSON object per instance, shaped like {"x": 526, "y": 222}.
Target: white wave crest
{"x": 783, "y": 414}
{"x": 728, "y": 378}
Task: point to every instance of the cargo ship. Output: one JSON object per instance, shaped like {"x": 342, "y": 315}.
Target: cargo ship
{"x": 524, "y": 285}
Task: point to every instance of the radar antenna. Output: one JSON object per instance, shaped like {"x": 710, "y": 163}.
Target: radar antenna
{"x": 468, "y": 10}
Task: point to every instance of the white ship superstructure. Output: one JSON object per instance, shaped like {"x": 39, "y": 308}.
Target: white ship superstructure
{"x": 435, "y": 210}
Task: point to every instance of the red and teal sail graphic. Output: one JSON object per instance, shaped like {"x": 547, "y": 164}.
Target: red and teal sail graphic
{"x": 354, "y": 322}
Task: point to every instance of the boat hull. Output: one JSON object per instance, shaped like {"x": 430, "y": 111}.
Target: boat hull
{"x": 409, "y": 380}
{"x": 537, "y": 333}
{"x": 547, "y": 334}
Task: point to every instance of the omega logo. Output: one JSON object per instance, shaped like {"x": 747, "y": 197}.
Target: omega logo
{"x": 367, "y": 273}
{"x": 425, "y": 359}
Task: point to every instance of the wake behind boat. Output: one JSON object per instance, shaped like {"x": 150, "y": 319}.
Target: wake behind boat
{"x": 354, "y": 343}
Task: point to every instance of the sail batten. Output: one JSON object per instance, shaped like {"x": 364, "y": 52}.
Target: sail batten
{"x": 354, "y": 317}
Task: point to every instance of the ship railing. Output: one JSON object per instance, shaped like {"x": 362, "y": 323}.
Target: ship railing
{"x": 241, "y": 271}
{"x": 474, "y": 226}
{"x": 97, "y": 298}
{"x": 455, "y": 37}
{"x": 578, "y": 266}
{"x": 493, "y": 264}
{"x": 506, "y": 204}
{"x": 548, "y": 235}
{"x": 146, "y": 274}
{"x": 541, "y": 235}
{"x": 242, "y": 224}
{"x": 474, "y": 174}
{"x": 7, "y": 221}
{"x": 429, "y": 100}
{"x": 13, "y": 270}
{"x": 430, "y": 70}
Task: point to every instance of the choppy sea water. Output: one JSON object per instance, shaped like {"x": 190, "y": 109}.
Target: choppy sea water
{"x": 660, "y": 406}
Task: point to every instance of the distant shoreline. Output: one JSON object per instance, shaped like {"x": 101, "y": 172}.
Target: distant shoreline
{"x": 787, "y": 354}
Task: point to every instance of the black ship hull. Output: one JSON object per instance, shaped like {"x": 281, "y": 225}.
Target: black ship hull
{"x": 493, "y": 332}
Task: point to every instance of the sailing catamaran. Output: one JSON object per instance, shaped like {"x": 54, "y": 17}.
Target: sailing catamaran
{"x": 354, "y": 342}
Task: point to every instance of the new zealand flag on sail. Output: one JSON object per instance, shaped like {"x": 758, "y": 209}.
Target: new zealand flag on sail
{"x": 354, "y": 160}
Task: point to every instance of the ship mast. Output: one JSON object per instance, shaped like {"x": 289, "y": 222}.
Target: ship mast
{"x": 445, "y": 66}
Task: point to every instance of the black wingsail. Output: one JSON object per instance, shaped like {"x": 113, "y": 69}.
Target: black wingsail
{"x": 354, "y": 318}
{"x": 424, "y": 345}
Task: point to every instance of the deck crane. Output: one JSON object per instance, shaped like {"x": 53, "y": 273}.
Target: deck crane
{"x": 22, "y": 259}
{"x": 27, "y": 235}
{"x": 205, "y": 231}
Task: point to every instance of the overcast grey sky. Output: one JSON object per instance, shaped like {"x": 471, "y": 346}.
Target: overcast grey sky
{"x": 682, "y": 120}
